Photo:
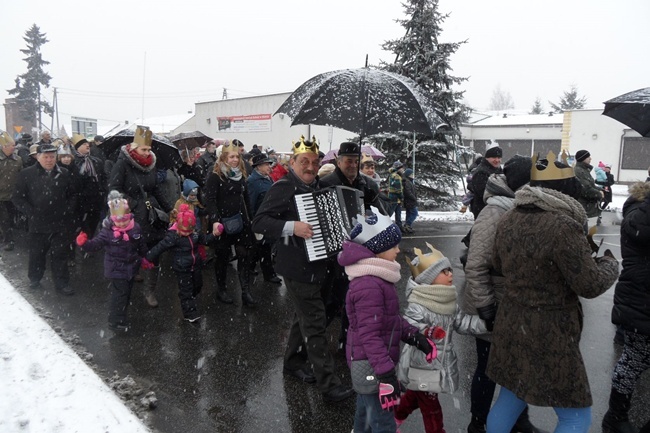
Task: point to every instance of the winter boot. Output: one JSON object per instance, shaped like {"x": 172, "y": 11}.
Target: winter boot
{"x": 150, "y": 286}
{"x": 244, "y": 273}
{"x": 476, "y": 425}
{"x": 222, "y": 294}
{"x": 523, "y": 424}
{"x": 616, "y": 419}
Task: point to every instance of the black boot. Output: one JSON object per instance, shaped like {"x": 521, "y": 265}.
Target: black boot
{"x": 222, "y": 294}
{"x": 247, "y": 299}
{"x": 616, "y": 419}
{"x": 523, "y": 424}
{"x": 477, "y": 425}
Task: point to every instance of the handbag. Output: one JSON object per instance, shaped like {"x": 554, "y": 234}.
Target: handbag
{"x": 155, "y": 216}
{"x": 233, "y": 225}
{"x": 364, "y": 380}
{"x": 421, "y": 379}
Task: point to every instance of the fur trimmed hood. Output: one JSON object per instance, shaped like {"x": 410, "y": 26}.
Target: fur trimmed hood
{"x": 640, "y": 191}
{"x": 124, "y": 153}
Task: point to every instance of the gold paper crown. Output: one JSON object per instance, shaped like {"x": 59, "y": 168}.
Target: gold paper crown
{"x": 230, "y": 148}
{"x": 78, "y": 139}
{"x": 424, "y": 261}
{"x": 117, "y": 204}
{"x": 142, "y": 136}
{"x": 551, "y": 172}
{"x": 366, "y": 158}
{"x": 303, "y": 146}
{"x": 5, "y": 139}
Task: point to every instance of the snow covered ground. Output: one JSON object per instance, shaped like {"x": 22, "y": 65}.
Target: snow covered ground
{"x": 46, "y": 387}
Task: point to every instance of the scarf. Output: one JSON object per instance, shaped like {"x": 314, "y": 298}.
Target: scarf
{"x": 87, "y": 167}
{"x": 121, "y": 231}
{"x": 388, "y": 271}
{"x": 551, "y": 200}
{"x": 144, "y": 161}
{"x": 437, "y": 298}
{"x": 231, "y": 173}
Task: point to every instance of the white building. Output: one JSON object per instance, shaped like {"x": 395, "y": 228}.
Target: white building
{"x": 251, "y": 120}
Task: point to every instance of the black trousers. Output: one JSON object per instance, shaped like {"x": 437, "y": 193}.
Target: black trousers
{"x": 307, "y": 343}
{"x": 57, "y": 244}
{"x": 482, "y": 389}
{"x": 262, "y": 252}
{"x": 189, "y": 286}
{"x": 120, "y": 297}
{"x": 7, "y": 217}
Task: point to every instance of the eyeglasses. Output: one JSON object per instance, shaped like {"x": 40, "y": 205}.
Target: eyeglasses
{"x": 448, "y": 271}
{"x": 305, "y": 162}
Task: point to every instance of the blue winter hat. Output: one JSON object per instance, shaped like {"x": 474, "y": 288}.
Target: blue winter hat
{"x": 378, "y": 233}
{"x": 408, "y": 173}
{"x": 189, "y": 187}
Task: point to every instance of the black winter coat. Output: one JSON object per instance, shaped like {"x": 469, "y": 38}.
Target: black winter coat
{"x": 224, "y": 198}
{"x": 632, "y": 295}
{"x": 478, "y": 183}
{"x": 185, "y": 250}
{"x": 370, "y": 190}
{"x": 92, "y": 190}
{"x": 410, "y": 199}
{"x": 48, "y": 200}
{"x": 127, "y": 177}
{"x": 278, "y": 207}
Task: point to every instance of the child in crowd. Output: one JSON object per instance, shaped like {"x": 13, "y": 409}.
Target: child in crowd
{"x": 187, "y": 263}
{"x": 122, "y": 238}
{"x": 190, "y": 197}
{"x": 432, "y": 308}
{"x": 376, "y": 327}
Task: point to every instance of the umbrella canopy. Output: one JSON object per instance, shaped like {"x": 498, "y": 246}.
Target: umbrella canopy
{"x": 368, "y": 150}
{"x": 631, "y": 109}
{"x": 190, "y": 140}
{"x": 167, "y": 155}
{"x": 364, "y": 101}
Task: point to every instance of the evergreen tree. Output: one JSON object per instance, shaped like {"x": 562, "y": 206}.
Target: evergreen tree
{"x": 420, "y": 56}
{"x": 537, "y": 107}
{"x": 501, "y": 100}
{"x": 28, "y": 85}
{"x": 569, "y": 101}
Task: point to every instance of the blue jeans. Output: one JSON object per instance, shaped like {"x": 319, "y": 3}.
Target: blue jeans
{"x": 411, "y": 216}
{"x": 508, "y": 407}
{"x": 371, "y": 418}
{"x": 398, "y": 214}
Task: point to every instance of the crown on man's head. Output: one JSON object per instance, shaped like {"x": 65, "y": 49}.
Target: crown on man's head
{"x": 369, "y": 231}
{"x": 551, "y": 172}
{"x": 230, "y": 147}
{"x": 303, "y": 146}
{"x": 5, "y": 139}
{"x": 142, "y": 136}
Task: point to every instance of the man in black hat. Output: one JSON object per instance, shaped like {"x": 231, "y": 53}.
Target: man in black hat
{"x": 95, "y": 149}
{"x": 347, "y": 174}
{"x": 489, "y": 165}
{"x": 590, "y": 194}
{"x": 45, "y": 193}
{"x": 259, "y": 182}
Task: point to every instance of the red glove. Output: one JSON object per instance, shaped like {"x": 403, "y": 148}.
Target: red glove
{"x": 202, "y": 253}
{"x": 146, "y": 264}
{"x": 81, "y": 238}
{"x": 434, "y": 333}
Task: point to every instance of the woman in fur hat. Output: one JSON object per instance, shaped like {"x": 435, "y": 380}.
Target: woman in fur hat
{"x": 542, "y": 250}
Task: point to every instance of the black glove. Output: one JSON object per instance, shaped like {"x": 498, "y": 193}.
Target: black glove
{"x": 488, "y": 314}
{"x": 389, "y": 390}
{"x": 420, "y": 341}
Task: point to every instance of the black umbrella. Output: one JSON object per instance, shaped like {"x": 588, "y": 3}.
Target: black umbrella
{"x": 167, "y": 155}
{"x": 631, "y": 109}
{"x": 364, "y": 101}
{"x": 190, "y": 140}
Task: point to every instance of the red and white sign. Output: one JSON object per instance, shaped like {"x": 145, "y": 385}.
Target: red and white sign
{"x": 250, "y": 123}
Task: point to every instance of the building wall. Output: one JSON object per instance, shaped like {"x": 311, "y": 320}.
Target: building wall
{"x": 280, "y": 134}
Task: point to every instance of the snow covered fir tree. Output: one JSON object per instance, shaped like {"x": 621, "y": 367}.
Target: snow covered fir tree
{"x": 421, "y": 56}
{"x": 28, "y": 85}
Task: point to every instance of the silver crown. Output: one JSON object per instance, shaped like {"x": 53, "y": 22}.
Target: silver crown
{"x": 369, "y": 231}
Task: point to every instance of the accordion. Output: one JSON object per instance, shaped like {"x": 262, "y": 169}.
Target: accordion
{"x": 332, "y": 214}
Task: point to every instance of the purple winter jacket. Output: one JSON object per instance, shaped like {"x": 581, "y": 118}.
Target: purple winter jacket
{"x": 376, "y": 326}
{"x": 121, "y": 258}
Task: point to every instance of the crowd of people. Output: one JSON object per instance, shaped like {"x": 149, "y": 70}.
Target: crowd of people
{"x": 528, "y": 263}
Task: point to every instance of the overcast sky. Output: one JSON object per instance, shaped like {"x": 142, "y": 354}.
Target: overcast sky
{"x": 104, "y": 55}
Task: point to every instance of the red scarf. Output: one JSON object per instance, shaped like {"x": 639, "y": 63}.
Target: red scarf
{"x": 144, "y": 161}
